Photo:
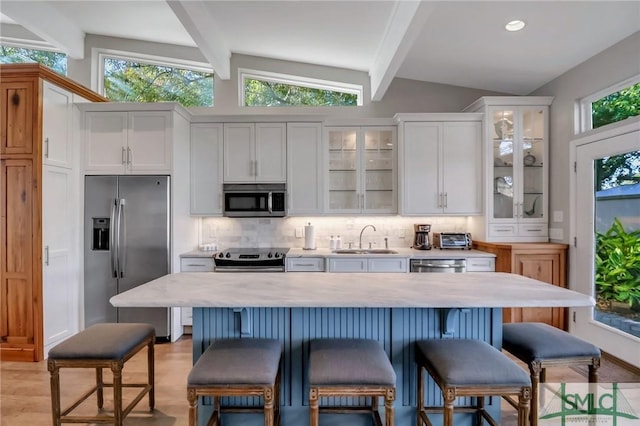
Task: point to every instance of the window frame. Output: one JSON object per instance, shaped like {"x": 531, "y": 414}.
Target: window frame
{"x": 585, "y": 112}
{"x": 99, "y": 55}
{"x": 295, "y": 80}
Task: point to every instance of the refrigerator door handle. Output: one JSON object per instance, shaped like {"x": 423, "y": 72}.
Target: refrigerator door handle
{"x": 113, "y": 246}
{"x": 122, "y": 237}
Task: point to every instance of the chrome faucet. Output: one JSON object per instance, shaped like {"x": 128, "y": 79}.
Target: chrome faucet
{"x": 365, "y": 227}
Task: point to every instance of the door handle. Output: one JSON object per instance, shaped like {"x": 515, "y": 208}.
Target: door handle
{"x": 46, "y": 147}
{"x": 129, "y": 156}
{"x": 46, "y": 255}
{"x": 122, "y": 237}
{"x": 446, "y": 200}
{"x": 124, "y": 155}
{"x": 113, "y": 246}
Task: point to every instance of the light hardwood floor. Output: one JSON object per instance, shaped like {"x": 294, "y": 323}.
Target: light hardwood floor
{"x": 25, "y": 396}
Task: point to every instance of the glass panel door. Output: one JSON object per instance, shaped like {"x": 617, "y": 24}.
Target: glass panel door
{"x": 343, "y": 170}
{"x": 607, "y": 253}
{"x": 503, "y": 160}
{"x": 532, "y": 150}
{"x": 379, "y": 169}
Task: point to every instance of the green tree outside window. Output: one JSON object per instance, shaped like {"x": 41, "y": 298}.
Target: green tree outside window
{"x": 127, "y": 81}
{"x": 267, "y": 93}
{"x": 54, "y": 60}
{"x": 616, "y": 106}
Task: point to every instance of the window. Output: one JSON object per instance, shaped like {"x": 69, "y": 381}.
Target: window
{"x": 136, "y": 79}
{"x": 259, "y": 88}
{"x": 611, "y": 105}
{"x": 54, "y": 60}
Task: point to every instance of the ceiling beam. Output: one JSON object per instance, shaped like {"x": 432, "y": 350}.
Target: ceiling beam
{"x": 405, "y": 24}
{"x": 197, "y": 19}
{"x": 48, "y": 23}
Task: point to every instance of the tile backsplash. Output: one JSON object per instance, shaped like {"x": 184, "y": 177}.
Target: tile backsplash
{"x": 289, "y": 231}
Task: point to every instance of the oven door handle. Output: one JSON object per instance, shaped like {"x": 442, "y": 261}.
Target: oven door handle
{"x": 270, "y": 202}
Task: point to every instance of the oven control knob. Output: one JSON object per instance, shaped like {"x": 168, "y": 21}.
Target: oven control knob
{"x": 220, "y": 254}
{"x": 277, "y": 255}
{"x": 269, "y": 255}
{"x": 228, "y": 255}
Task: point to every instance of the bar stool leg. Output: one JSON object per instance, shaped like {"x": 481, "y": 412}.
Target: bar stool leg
{"x": 449, "y": 396}
{"x": 593, "y": 370}
{"x": 313, "y": 407}
{"x": 480, "y": 409}
{"x": 192, "y": 397}
{"x": 268, "y": 406}
{"x": 99, "y": 388}
{"x": 535, "y": 368}
{"x": 151, "y": 373}
{"x": 55, "y": 392}
{"x": 389, "y": 397}
{"x": 116, "y": 368}
{"x": 523, "y": 407}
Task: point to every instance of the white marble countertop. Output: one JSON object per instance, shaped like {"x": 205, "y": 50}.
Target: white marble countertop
{"x": 372, "y": 290}
{"x": 402, "y": 252}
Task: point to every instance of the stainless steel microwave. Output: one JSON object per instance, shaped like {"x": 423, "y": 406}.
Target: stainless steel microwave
{"x": 254, "y": 199}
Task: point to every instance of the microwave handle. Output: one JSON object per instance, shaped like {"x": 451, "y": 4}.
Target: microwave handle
{"x": 270, "y": 202}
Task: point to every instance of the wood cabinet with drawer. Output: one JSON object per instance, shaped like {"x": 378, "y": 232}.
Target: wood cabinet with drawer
{"x": 541, "y": 261}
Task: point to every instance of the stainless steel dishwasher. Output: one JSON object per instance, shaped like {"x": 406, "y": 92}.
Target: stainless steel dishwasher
{"x": 438, "y": 265}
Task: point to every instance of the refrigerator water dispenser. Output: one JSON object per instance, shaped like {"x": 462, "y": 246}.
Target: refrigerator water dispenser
{"x": 100, "y": 234}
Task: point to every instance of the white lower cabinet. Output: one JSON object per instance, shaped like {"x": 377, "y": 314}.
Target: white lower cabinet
{"x": 60, "y": 281}
{"x": 193, "y": 264}
{"x": 368, "y": 264}
{"x": 481, "y": 264}
{"x": 305, "y": 264}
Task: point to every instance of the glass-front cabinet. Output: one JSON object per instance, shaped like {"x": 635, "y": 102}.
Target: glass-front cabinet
{"x": 361, "y": 170}
{"x": 517, "y": 139}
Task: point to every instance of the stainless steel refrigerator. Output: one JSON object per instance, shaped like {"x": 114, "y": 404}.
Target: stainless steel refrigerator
{"x": 127, "y": 240}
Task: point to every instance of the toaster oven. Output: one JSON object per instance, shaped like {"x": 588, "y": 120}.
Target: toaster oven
{"x": 452, "y": 240}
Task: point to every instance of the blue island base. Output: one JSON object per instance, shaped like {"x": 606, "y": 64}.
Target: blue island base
{"x": 396, "y": 329}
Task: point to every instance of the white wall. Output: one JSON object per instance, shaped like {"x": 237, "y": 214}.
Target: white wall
{"x": 609, "y": 67}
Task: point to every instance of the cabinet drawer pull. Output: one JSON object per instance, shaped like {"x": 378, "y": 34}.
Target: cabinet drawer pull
{"x": 196, "y": 264}
{"x": 503, "y": 230}
{"x": 304, "y": 264}
{"x": 534, "y": 229}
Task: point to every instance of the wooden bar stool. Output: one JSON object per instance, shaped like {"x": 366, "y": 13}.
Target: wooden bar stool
{"x": 540, "y": 345}
{"x": 102, "y": 346}
{"x": 351, "y": 368}
{"x": 466, "y": 367}
{"x": 237, "y": 367}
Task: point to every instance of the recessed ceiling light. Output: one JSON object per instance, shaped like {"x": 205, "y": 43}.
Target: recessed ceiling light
{"x": 516, "y": 25}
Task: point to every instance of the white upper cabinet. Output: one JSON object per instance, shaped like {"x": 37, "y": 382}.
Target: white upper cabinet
{"x": 361, "y": 170}
{"x": 57, "y": 121}
{"x": 206, "y": 169}
{"x": 517, "y": 143}
{"x": 441, "y": 165}
{"x": 128, "y": 142}
{"x": 255, "y": 152}
{"x": 304, "y": 169}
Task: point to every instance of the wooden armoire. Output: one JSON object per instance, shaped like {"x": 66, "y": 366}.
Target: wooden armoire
{"x": 23, "y": 150}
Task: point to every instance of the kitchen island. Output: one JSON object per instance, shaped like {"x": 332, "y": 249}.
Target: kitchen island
{"x": 395, "y": 309}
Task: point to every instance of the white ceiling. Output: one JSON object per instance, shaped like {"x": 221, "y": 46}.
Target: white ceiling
{"x": 449, "y": 42}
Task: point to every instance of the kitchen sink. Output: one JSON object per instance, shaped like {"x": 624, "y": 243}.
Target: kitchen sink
{"x": 364, "y": 251}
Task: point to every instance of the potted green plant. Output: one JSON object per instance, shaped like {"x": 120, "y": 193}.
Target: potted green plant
{"x": 618, "y": 266}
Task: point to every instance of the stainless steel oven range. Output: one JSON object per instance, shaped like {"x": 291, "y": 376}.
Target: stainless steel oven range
{"x": 251, "y": 260}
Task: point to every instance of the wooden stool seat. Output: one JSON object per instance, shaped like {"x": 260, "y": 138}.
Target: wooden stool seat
{"x": 237, "y": 367}
{"x": 351, "y": 368}
{"x": 102, "y": 346}
{"x": 540, "y": 345}
{"x": 463, "y": 368}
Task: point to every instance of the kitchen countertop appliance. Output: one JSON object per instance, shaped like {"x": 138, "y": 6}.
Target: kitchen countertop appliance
{"x": 126, "y": 244}
{"x": 452, "y": 240}
{"x": 421, "y": 237}
{"x": 251, "y": 260}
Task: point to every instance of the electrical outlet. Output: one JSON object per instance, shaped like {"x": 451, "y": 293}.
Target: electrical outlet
{"x": 299, "y": 232}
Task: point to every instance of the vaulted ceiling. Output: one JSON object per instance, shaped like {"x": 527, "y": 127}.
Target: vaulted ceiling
{"x": 461, "y": 43}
